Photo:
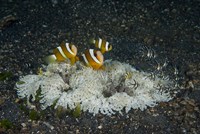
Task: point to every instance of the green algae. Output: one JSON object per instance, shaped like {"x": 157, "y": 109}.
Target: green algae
{"x": 54, "y": 103}
{"x": 38, "y": 95}
{"x": 34, "y": 115}
{"x": 6, "y": 124}
{"x": 5, "y": 75}
{"x": 77, "y": 111}
{"x": 20, "y": 82}
{"x": 31, "y": 113}
{"x": 2, "y": 100}
{"x": 61, "y": 112}
{"x": 23, "y": 108}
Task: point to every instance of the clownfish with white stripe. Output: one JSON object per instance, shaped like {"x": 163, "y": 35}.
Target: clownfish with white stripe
{"x": 93, "y": 58}
{"x": 62, "y": 53}
{"x": 102, "y": 44}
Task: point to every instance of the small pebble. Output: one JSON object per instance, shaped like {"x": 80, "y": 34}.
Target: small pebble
{"x": 100, "y": 127}
{"x": 23, "y": 124}
{"x": 48, "y": 125}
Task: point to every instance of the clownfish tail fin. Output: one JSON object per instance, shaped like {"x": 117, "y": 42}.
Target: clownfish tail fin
{"x": 50, "y": 59}
{"x": 91, "y": 41}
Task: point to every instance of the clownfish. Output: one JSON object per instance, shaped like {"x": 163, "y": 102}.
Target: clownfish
{"x": 102, "y": 44}
{"x": 93, "y": 58}
{"x": 62, "y": 53}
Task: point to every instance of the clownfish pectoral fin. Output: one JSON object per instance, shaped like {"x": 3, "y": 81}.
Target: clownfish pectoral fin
{"x": 77, "y": 58}
{"x": 73, "y": 60}
{"x": 102, "y": 67}
{"x": 50, "y": 59}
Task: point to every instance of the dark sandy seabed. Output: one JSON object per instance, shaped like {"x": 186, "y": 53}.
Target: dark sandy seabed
{"x": 29, "y": 30}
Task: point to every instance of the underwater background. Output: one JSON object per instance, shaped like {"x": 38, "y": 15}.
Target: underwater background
{"x": 144, "y": 34}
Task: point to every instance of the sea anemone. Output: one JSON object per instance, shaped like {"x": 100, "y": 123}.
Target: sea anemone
{"x": 116, "y": 88}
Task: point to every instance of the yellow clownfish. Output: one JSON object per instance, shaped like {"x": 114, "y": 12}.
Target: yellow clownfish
{"x": 93, "y": 58}
{"x": 62, "y": 53}
{"x": 102, "y": 44}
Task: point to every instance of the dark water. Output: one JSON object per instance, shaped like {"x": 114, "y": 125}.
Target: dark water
{"x": 169, "y": 30}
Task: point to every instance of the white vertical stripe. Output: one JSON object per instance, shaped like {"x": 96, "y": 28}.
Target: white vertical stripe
{"x": 93, "y": 57}
{"x": 100, "y": 42}
{"x": 68, "y": 49}
{"x": 107, "y": 46}
{"x": 85, "y": 59}
{"x": 61, "y": 52}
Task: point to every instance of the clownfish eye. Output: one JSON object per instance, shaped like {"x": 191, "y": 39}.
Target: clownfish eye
{"x": 95, "y": 54}
{"x": 73, "y": 49}
{"x": 71, "y": 46}
{"x": 109, "y": 47}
